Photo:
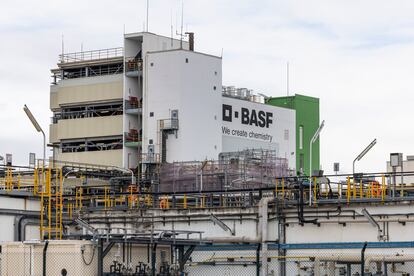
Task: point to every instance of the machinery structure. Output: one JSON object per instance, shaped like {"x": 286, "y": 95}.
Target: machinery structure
{"x": 264, "y": 230}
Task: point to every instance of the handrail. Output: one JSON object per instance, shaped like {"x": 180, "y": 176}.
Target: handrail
{"x": 92, "y": 55}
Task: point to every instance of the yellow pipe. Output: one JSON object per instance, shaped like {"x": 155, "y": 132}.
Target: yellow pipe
{"x": 354, "y": 191}
{"x": 283, "y": 188}
{"x": 57, "y": 202}
{"x": 61, "y": 203}
{"x": 371, "y": 184}
{"x": 185, "y": 201}
{"x": 383, "y": 188}
{"x": 41, "y": 215}
{"x": 105, "y": 197}
{"x": 18, "y": 182}
{"x": 348, "y": 190}
{"x": 35, "y": 181}
{"x": 49, "y": 205}
{"x": 80, "y": 198}
{"x": 203, "y": 201}
{"x": 361, "y": 191}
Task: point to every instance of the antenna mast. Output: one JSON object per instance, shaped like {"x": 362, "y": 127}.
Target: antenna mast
{"x": 147, "y": 14}
{"x": 287, "y": 78}
{"x": 182, "y": 24}
{"x": 172, "y": 42}
{"x": 63, "y": 48}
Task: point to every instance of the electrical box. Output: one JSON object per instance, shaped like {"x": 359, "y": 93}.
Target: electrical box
{"x": 9, "y": 159}
{"x": 336, "y": 167}
{"x": 32, "y": 160}
{"x": 396, "y": 159}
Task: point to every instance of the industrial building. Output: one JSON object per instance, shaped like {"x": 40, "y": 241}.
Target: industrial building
{"x": 160, "y": 169}
{"x": 156, "y": 100}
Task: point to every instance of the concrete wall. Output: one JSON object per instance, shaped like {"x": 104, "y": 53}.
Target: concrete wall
{"x": 136, "y": 86}
{"x": 86, "y": 90}
{"x": 89, "y": 127}
{"x": 7, "y": 219}
{"x": 106, "y": 157}
{"x": 190, "y": 83}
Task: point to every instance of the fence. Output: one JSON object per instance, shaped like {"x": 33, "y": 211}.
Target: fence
{"x": 310, "y": 259}
{"x": 81, "y": 258}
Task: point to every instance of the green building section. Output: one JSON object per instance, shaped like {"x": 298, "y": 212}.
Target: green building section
{"x": 307, "y": 122}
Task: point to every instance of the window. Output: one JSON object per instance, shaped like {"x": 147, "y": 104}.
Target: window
{"x": 286, "y": 134}
{"x": 186, "y": 60}
{"x": 152, "y": 63}
{"x": 301, "y": 137}
{"x": 151, "y": 114}
{"x": 214, "y": 87}
{"x": 150, "y": 141}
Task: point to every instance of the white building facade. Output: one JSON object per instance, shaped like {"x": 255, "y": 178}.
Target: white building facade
{"x": 157, "y": 101}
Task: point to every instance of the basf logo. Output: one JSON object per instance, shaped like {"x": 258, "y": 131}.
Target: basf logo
{"x": 243, "y": 119}
{"x": 250, "y": 125}
{"x": 248, "y": 116}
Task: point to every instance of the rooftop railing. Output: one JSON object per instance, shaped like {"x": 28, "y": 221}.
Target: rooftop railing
{"x": 92, "y": 55}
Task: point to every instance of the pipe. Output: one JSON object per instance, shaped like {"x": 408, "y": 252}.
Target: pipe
{"x": 258, "y": 259}
{"x": 44, "y": 257}
{"x": 387, "y": 259}
{"x": 263, "y": 221}
{"x": 357, "y": 259}
{"x": 363, "y": 258}
{"x": 242, "y": 239}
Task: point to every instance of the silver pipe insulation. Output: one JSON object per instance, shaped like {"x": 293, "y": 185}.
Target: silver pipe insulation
{"x": 262, "y": 235}
{"x": 357, "y": 258}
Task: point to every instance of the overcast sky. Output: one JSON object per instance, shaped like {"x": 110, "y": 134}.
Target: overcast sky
{"x": 356, "y": 56}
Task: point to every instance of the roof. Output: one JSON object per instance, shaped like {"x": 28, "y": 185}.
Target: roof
{"x": 184, "y": 50}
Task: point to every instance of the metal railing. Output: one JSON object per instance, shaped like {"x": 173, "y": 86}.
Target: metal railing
{"x": 132, "y": 136}
{"x": 133, "y": 64}
{"x": 92, "y": 55}
{"x": 132, "y": 104}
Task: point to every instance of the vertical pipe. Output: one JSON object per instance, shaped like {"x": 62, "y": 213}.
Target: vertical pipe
{"x": 35, "y": 182}
{"x": 310, "y": 174}
{"x": 348, "y": 190}
{"x": 49, "y": 205}
{"x": 153, "y": 259}
{"x": 363, "y": 258}
{"x": 57, "y": 201}
{"x": 361, "y": 191}
{"x": 258, "y": 259}
{"x": 41, "y": 214}
{"x": 44, "y": 257}
{"x": 353, "y": 189}
{"x": 100, "y": 257}
{"x": 18, "y": 182}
